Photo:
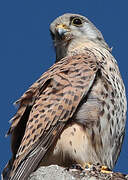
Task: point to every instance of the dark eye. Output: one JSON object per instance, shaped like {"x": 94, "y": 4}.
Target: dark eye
{"x": 77, "y": 21}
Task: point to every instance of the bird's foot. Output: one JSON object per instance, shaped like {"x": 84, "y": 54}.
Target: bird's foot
{"x": 87, "y": 165}
{"x": 105, "y": 169}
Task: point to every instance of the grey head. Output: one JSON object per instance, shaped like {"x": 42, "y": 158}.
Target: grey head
{"x": 73, "y": 27}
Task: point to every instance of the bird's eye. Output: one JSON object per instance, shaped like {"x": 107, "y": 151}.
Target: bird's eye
{"x": 77, "y": 21}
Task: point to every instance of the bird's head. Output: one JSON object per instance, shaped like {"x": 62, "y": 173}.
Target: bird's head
{"x": 70, "y": 28}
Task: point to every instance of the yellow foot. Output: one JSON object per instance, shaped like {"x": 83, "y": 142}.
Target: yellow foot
{"x": 86, "y": 165}
{"x": 105, "y": 169}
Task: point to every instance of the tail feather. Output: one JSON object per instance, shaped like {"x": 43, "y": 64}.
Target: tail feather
{"x": 31, "y": 162}
{"x": 6, "y": 171}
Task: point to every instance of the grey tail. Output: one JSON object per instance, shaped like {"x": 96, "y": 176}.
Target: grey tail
{"x": 6, "y": 171}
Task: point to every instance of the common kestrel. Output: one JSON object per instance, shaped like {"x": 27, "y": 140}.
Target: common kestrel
{"x": 75, "y": 112}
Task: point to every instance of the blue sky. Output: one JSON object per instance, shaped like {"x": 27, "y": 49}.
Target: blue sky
{"x": 26, "y": 50}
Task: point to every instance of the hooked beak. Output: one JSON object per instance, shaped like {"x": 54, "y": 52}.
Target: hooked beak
{"x": 61, "y": 30}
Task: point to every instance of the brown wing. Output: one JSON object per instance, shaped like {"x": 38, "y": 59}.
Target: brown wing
{"x": 53, "y": 99}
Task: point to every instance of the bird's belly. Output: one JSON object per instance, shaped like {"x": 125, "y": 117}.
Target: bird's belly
{"x": 72, "y": 147}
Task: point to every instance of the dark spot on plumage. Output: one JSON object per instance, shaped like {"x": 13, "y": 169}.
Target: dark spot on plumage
{"x": 65, "y": 72}
{"x": 39, "y": 125}
{"x": 60, "y": 107}
{"x": 70, "y": 142}
{"x": 102, "y": 112}
{"x": 42, "y": 111}
{"x": 74, "y": 150}
{"x": 76, "y": 75}
{"x": 36, "y": 115}
{"x": 113, "y": 112}
{"x": 46, "y": 119}
{"x": 80, "y": 82}
{"x": 115, "y": 107}
{"x": 120, "y": 94}
{"x": 73, "y": 107}
{"x": 33, "y": 131}
{"x": 70, "y": 92}
{"x": 53, "y": 112}
{"x": 84, "y": 77}
{"x": 74, "y": 129}
{"x": 86, "y": 70}
{"x": 106, "y": 95}
{"x": 101, "y": 143}
{"x": 28, "y": 136}
{"x": 29, "y": 142}
{"x": 108, "y": 106}
{"x": 70, "y": 102}
{"x": 79, "y": 87}
{"x": 74, "y": 64}
{"x": 35, "y": 106}
{"x": 23, "y": 147}
{"x": 106, "y": 86}
{"x": 112, "y": 94}
{"x": 93, "y": 135}
{"x": 44, "y": 99}
{"x": 117, "y": 120}
{"x": 103, "y": 58}
{"x": 60, "y": 94}
{"x": 102, "y": 93}
{"x": 95, "y": 68}
{"x": 110, "y": 131}
{"x": 65, "y": 115}
{"x": 49, "y": 105}
{"x": 78, "y": 58}
{"x": 99, "y": 128}
{"x": 103, "y": 103}
{"x": 38, "y": 98}
{"x": 108, "y": 117}
{"x": 36, "y": 121}
{"x": 112, "y": 101}
{"x": 76, "y": 98}
{"x": 108, "y": 78}
{"x": 31, "y": 120}
{"x": 123, "y": 119}
{"x": 35, "y": 137}
{"x": 66, "y": 100}
{"x": 110, "y": 69}
{"x": 77, "y": 70}
{"x": 98, "y": 123}
{"x": 31, "y": 127}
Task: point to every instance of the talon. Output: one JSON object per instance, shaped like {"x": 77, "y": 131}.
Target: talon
{"x": 105, "y": 169}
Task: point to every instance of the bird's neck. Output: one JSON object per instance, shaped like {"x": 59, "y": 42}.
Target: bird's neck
{"x": 78, "y": 47}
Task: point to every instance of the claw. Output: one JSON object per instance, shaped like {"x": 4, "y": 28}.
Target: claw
{"x": 105, "y": 169}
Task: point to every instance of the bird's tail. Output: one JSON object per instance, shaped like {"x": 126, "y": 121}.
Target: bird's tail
{"x": 6, "y": 171}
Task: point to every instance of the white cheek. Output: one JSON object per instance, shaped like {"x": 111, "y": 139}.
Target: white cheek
{"x": 85, "y": 30}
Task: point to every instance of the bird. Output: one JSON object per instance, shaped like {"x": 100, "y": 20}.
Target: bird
{"x": 75, "y": 113}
